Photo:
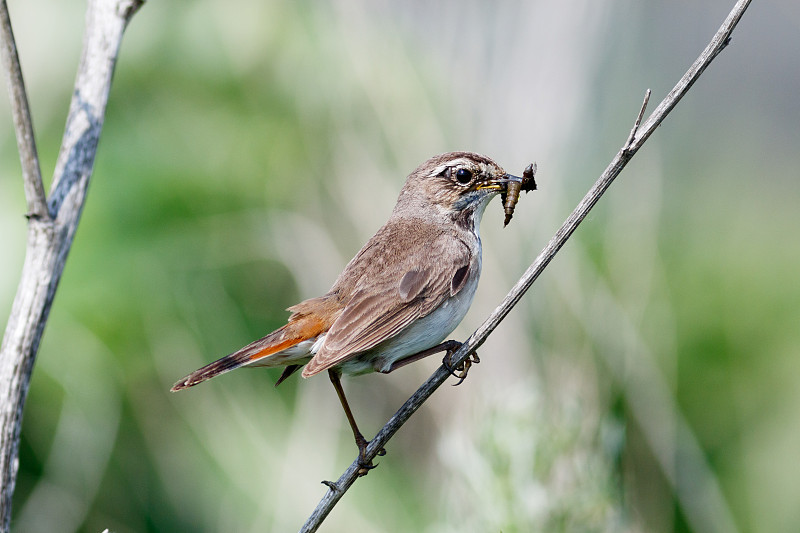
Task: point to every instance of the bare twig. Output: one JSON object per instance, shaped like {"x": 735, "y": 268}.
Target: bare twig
{"x": 50, "y": 236}
{"x": 635, "y": 128}
{"x": 26, "y": 143}
{"x": 639, "y": 134}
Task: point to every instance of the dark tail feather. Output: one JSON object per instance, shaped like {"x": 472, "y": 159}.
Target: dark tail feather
{"x": 255, "y": 351}
{"x": 226, "y": 364}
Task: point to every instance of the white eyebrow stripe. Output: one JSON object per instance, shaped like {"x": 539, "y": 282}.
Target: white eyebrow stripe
{"x": 452, "y": 163}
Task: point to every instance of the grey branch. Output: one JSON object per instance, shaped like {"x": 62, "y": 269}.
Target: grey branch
{"x": 26, "y": 143}
{"x": 639, "y": 134}
{"x": 52, "y": 226}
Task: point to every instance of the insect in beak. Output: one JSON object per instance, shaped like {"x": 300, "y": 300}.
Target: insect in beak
{"x": 513, "y": 186}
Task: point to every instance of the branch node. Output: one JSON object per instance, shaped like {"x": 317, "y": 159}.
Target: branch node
{"x": 629, "y": 143}
{"x": 331, "y": 485}
{"x": 725, "y": 43}
{"x": 23, "y": 123}
{"x": 126, "y": 10}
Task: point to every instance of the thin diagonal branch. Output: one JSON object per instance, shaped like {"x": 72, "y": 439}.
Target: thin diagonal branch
{"x": 639, "y": 134}
{"x": 23, "y": 123}
{"x": 50, "y": 237}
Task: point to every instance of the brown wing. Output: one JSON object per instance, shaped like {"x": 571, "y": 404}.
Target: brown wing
{"x": 390, "y": 299}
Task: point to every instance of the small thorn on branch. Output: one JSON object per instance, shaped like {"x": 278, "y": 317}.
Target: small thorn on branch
{"x": 331, "y": 485}
{"x": 635, "y": 129}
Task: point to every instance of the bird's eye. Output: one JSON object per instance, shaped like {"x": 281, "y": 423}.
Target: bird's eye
{"x": 463, "y": 176}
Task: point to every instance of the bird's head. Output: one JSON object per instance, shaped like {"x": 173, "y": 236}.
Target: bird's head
{"x": 457, "y": 185}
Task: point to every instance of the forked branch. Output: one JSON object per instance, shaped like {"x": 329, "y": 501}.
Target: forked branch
{"x": 51, "y": 225}
{"x": 23, "y": 124}
{"x": 637, "y": 137}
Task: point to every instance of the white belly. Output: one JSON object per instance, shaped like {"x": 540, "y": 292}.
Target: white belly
{"x": 422, "y": 334}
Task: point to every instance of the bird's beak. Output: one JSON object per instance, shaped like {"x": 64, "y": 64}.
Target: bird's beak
{"x": 497, "y": 184}
{"x": 510, "y": 178}
{"x": 501, "y": 184}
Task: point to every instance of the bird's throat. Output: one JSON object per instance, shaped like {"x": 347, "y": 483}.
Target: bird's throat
{"x": 469, "y": 217}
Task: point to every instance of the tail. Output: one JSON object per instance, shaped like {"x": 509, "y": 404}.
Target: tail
{"x": 275, "y": 342}
{"x": 305, "y": 324}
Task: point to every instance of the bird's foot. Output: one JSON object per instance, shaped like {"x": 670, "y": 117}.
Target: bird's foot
{"x": 364, "y": 465}
{"x": 460, "y": 371}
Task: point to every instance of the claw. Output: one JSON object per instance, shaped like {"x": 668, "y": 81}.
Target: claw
{"x": 364, "y": 470}
{"x": 460, "y": 371}
{"x": 446, "y": 365}
{"x": 366, "y": 466}
{"x": 447, "y": 360}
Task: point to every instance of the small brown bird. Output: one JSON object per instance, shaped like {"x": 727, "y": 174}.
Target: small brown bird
{"x": 401, "y": 295}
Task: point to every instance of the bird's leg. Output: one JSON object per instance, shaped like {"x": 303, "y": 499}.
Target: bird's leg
{"x": 450, "y": 347}
{"x": 445, "y": 346}
{"x": 361, "y": 442}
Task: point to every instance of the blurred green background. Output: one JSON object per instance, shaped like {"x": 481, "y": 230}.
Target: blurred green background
{"x": 646, "y": 383}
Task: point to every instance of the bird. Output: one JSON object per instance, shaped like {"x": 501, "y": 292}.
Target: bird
{"x": 402, "y": 294}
